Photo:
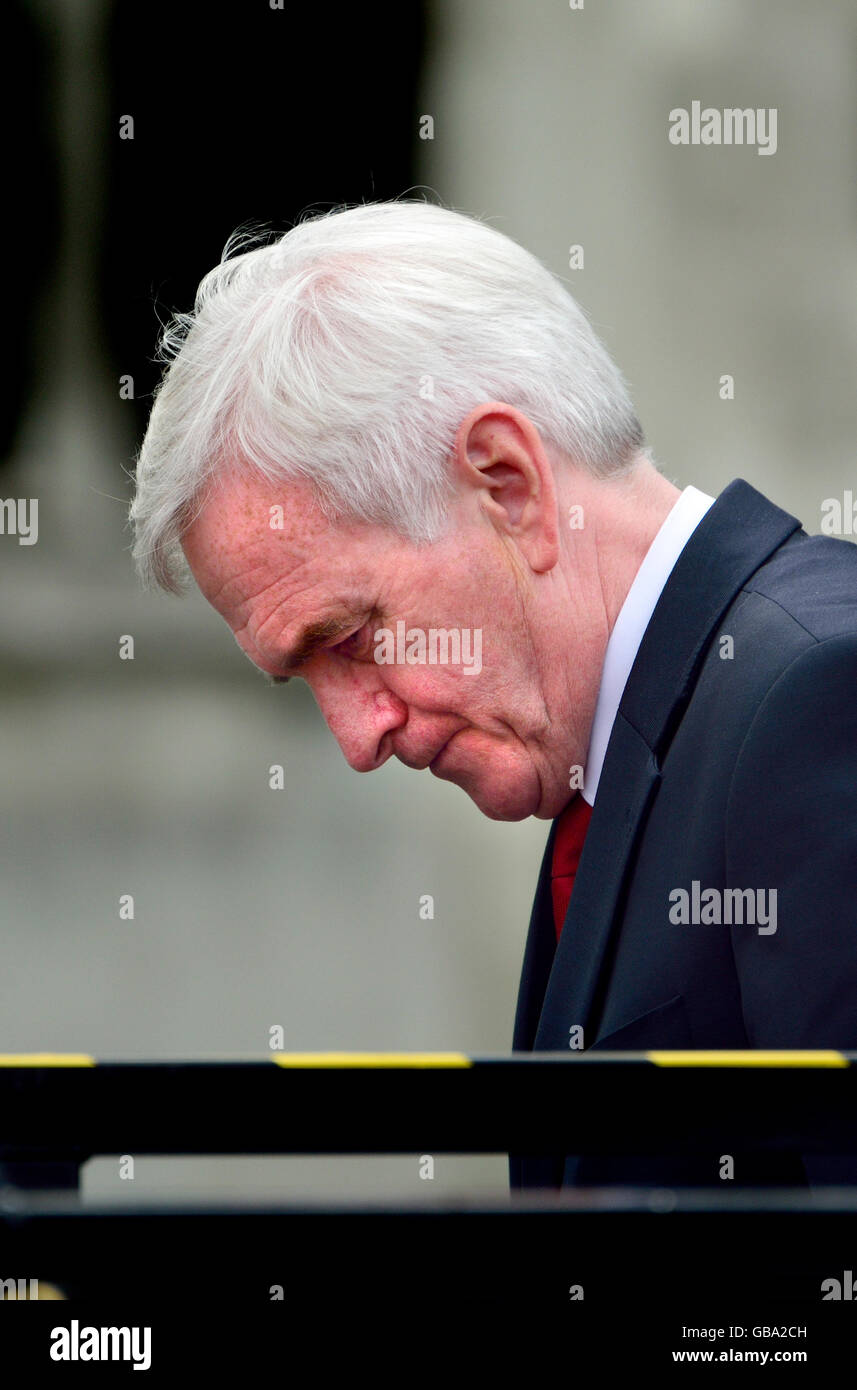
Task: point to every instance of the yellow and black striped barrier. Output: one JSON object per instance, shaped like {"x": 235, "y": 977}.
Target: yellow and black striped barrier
{"x": 751, "y": 1057}
{"x": 56, "y": 1110}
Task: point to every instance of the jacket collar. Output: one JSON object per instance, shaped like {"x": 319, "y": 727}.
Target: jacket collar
{"x": 737, "y": 535}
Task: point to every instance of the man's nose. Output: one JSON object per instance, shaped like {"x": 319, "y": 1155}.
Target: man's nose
{"x": 359, "y": 713}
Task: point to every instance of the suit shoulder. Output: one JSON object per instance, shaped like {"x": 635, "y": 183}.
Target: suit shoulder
{"x": 812, "y": 580}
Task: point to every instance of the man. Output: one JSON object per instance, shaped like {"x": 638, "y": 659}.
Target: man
{"x": 393, "y": 423}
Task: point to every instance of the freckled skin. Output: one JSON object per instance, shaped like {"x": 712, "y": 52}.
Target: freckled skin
{"x": 544, "y": 595}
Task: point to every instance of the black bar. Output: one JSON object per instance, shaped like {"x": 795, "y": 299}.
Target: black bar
{"x": 38, "y": 1176}
{"x": 550, "y": 1102}
{"x": 633, "y": 1250}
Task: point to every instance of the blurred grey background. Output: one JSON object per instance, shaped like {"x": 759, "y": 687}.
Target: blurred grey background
{"x": 150, "y": 777}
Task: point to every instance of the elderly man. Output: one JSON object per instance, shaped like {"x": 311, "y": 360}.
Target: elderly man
{"x": 394, "y": 425}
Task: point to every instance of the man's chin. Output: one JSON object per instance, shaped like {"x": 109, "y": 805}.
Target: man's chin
{"x": 497, "y": 803}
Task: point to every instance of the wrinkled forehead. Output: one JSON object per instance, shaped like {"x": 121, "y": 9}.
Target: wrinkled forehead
{"x": 248, "y": 533}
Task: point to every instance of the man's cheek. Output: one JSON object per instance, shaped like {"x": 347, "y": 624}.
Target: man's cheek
{"x": 446, "y": 689}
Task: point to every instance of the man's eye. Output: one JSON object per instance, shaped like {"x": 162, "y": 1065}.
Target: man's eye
{"x": 355, "y": 644}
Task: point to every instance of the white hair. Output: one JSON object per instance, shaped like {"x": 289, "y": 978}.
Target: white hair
{"x": 347, "y": 353}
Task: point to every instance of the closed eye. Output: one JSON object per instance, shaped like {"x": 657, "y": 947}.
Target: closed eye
{"x": 356, "y": 645}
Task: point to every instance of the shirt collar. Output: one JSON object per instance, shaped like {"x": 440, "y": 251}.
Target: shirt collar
{"x": 633, "y": 619}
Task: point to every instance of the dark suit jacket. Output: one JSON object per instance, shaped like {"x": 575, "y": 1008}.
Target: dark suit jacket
{"x": 736, "y": 773}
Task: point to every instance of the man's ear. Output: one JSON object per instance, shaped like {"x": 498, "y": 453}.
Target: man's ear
{"x": 499, "y": 453}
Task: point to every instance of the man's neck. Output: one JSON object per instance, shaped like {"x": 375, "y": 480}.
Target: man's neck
{"x": 629, "y": 513}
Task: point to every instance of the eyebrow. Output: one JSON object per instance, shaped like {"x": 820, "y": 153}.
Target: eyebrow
{"x": 313, "y": 636}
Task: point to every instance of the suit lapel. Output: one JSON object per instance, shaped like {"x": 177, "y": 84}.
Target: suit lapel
{"x": 737, "y": 535}
{"x": 628, "y": 782}
{"x": 538, "y": 956}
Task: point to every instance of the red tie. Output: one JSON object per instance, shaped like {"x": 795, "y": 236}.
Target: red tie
{"x": 567, "y": 849}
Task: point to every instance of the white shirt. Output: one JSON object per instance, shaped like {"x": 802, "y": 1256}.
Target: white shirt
{"x": 632, "y": 621}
